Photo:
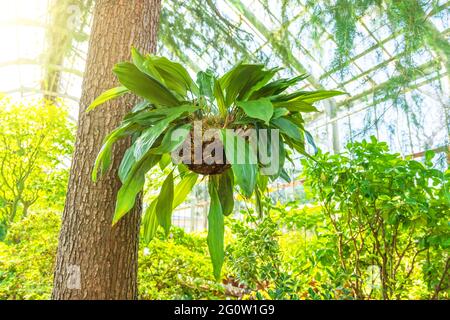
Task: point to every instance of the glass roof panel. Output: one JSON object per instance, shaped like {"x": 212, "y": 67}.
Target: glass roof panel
{"x": 301, "y": 35}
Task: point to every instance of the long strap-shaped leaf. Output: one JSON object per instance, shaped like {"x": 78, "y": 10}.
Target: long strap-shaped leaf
{"x": 107, "y": 95}
{"x": 276, "y": 87}
{"x": 133, "y": 185}
{"x": 288, "y": 128}
{"x": 150, "y": 221}
{"x": 103, "y": 159}
{"x": 259, "y": 109}
{"x": 173, "y": 138}
{"x": 183, "y": 188}
{"x": 145, "y": 142}
{"x": 218, "y": 94}
{"x": 144, "y": 85}
{"x": 243, "y": 160}
{"x": 164, "y": 206}
{"x": 215, "y": 229}
{"x": 225, "y": 184}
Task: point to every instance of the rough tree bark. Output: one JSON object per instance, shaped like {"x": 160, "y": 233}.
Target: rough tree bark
{"x": 95, "y": 260}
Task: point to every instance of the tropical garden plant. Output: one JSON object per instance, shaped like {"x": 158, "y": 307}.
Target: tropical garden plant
{"x": 389, "y": 217}
{"x": 164, "y": 123}
{"x": 36, "y": 137}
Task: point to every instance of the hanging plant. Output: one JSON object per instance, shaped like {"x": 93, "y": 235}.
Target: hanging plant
{"x": 202, "y": 128}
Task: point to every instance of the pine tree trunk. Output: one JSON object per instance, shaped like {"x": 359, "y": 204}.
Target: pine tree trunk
{"x": 95, "y": 260}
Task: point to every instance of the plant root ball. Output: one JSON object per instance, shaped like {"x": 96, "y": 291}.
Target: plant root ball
{"x": 209, "y": 163}
{"x": 209, "y": 169}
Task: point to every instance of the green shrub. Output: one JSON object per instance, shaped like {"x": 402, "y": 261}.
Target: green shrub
{"x": 389, "y": 217}
{"x": 36, "y": 137}
{"x": 177, "y": 268}
{"x": 255, "y": 261}
{"x": 27, "y": 257}
{"x": 379, "y": 230}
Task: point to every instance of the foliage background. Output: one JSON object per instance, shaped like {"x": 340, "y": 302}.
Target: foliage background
{"x": 324, "y": 250}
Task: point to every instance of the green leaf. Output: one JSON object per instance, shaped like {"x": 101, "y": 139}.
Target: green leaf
{"x": 254, "y": 80}
{"x": 225, "y": 184}
{"x": 183, "y": 188}
{"x": 296, "y": 105}
{"x": 302, "y": 100}
{"x": 146, "y": 140}
{"x": 288, "y": 128}
{"x": 170, "y": 142}
{"x": 107, "y": 95}
{"x": 429, "y": 155}
{"x": 165, "y": 204}
{"x": 145, "y": 66}
{"x": 268, "y": 74}
{"x": 127, "y": 163}
{"x": 133, "y": 185}
{"x": 243, "y": 160}
{"x": 314, "y": 96}
{"x": 205, "y": 82}
{"x": 144, "y": 85}
{"x": 285, "y": 176}
{"x": 218, "y": 93}
{"x": 103, "y": 160}
{"x": 298, "y": 145}
{"x": 152, "y": 116}
{"x": 183, "y": 169}
{"x": 140, "y": 106}
{"x": 138, "y": 60}
{"x": 150, "y": 222}
{"x": 174, "y": 75}
{"x": 276, "y": 87}
{"x": 310, "y": 140}
{"x": 280, "y": 112}
{"x": 240, "y": 80}
{"x": 166, "y": 159}
{"x": 282, "y": 157}
{"x": 216, "y": 231}
{"x": 259, "y": 109}
{"x": 258, "y": 202}
{"x": 307, "y": 96}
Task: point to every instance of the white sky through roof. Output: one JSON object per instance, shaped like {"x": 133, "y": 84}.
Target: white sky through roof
{"x": 23, "y": 25}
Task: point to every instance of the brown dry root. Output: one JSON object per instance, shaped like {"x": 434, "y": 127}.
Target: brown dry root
{"x": 209, "y": 169}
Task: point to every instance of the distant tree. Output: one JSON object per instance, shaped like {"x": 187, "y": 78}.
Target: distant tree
{"x": 36, "y": 140}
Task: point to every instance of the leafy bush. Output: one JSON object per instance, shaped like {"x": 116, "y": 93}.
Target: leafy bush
{"x": 254, "y": 259}
{"x": 177, "y": 268}
{"x": 380, "y": 230}
{"x": 27, "y": 257}
{"x": 390, "y": 219}
{"x": 308, "y": 249}
{"x": 36, "y": 138}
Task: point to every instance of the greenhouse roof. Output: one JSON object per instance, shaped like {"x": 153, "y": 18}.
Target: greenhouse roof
{"x": 391, "y": 57}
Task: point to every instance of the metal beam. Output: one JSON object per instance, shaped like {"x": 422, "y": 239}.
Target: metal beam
{"x": 352, "y": 112}
{"x": 289, "y": 60}
{"x": 285, "y": 54}
{"x": 420, "y": 72}
{"x": 44, "y": 92}
{"x": 24, "y": 61}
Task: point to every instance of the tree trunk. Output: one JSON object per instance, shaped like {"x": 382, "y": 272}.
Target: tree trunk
{"x": 96, "y": 260}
